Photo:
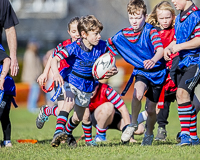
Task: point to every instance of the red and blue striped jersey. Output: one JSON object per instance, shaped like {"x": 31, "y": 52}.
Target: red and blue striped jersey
{"x": 184, "y": 15}
{"x": 134, "y": 36}
{"x": 105, "y": 93}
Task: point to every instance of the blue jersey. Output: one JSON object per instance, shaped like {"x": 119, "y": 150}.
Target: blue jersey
{"x": 9, "y": 84}
{"x": 1, "y": 47}
{"x": 81, "y": 63}
{"x": 136, "y": 52}
{"x": 183, "y": 32}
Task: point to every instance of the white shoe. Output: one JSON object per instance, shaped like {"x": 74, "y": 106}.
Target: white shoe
{"x": 128, "y": 132}
{"x": 6, "y": 144}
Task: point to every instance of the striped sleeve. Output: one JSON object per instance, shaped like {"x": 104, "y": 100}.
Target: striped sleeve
{"x": 155, "y": 39}
{"x": 62, "y": 54}
{"x": 196, "y": 32}
{"x": 57, "y": 49}
{"x": 114, "y": 98}
{"x": 111, "y": 47}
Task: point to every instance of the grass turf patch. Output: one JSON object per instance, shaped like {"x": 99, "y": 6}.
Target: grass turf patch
{"x": 24, "y": 127}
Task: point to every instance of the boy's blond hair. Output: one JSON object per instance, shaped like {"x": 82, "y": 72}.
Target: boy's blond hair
{"x": 136, "y": 5}
{"x": 164, "y": 5}
{"x": 89, "y": 23}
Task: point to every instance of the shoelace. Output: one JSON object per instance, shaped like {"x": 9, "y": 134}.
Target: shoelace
{"x": 148, "y": 139}
{"x": 44, "y": 118}
{"x": 93, "y": 142}
{"x": 183, "y": 135}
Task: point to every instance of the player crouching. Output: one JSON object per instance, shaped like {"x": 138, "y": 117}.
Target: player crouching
{"x": 108, "y": 111}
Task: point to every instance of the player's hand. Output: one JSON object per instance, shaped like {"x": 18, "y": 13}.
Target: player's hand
{"x": 113, "y": 71}
{"x": 2, "y": 80}
{"x": 42, "y": 79}
{"x": 58, "y": 80}
{"x": 176, "y": 48}
{"x": 14, "y": 67}
{"x": 167, "y": 54}
{"x": 148, "y": 64}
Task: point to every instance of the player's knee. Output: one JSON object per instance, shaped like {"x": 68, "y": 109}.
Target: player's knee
{"x": 86, "y": 118}
{"x": 108, "y": 108}
{"x": 137, "y": 96}
{"x": 151, "y": 111}
{"x": 76, "y": 119}
{"x": 182, "y": 94}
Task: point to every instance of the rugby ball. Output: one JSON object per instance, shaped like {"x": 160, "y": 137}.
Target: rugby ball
{"x": 102, "y": 65}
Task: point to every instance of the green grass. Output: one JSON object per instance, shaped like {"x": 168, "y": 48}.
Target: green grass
{"x": 23, "y": 127}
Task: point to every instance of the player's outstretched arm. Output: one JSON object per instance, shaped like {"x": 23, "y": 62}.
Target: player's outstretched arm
{"x": 125, "y": 114}
{"x": 192, "y": 44}
{"x": 44, "y": 76}
{"x": 56, "y": 75}
{"x": 168, "y": 51}
{"x": 150, "y": 63}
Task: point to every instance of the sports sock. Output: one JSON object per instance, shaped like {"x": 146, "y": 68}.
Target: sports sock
{"x": 87, "y": 128}
{"x": 184, "y": 112}
{"x": 142, "y": 117}
{"x": 100, "y": 131}
{"x": 61, "y": 121}
{"x": 51, "y": 110}
{"x": 193, "y": 124}
{"x": 70, "y": 127}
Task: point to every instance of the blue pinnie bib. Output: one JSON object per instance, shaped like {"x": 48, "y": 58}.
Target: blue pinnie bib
{"x": 183, "y": 31}
{"x": 9, "y": 84}
{"x": 1, "y": 47}
{"x": 135, "y": 53}
{"x": 80, "y": 74}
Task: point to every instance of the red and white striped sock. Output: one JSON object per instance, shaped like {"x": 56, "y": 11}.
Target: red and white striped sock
{"x": 51, "y": 110}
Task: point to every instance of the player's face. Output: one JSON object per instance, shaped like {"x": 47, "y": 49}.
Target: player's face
{"x": 179, "y": 4}
{"x": 165, "y": 18}
{"x": 73, "y": 32}
{"x": 93, "y": 37}
{"x": 137, "y": 20}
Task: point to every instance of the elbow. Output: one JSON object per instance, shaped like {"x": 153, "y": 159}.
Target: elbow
{"x": 7, "y": 61}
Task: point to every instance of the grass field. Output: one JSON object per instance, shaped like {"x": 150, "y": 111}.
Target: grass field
{"x": 23, "y": 127}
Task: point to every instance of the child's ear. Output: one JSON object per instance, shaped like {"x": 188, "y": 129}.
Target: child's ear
{"x": 146, "y": 16}
{"x": 83, "y": 34}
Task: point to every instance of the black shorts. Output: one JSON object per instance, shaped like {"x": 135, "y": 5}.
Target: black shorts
{"x": 153, "y": 90}
{"x": 182, "y": 75}
{"x": 116, "y": 119}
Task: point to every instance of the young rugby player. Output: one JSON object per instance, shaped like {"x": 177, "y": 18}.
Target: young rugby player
{"x": 79, "y": 82}
{"x": 141, "y": 46}
{"x": 46, "y": 110}
{"x": 108, "y": 111}
{"x": 186, "y": 66}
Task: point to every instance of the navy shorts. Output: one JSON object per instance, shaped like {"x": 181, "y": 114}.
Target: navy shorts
{"x": 153, "y": 90}
{"x": 182, "y": 75}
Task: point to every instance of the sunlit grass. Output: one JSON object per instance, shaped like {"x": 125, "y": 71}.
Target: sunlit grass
{"x": 23, "y": 127}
